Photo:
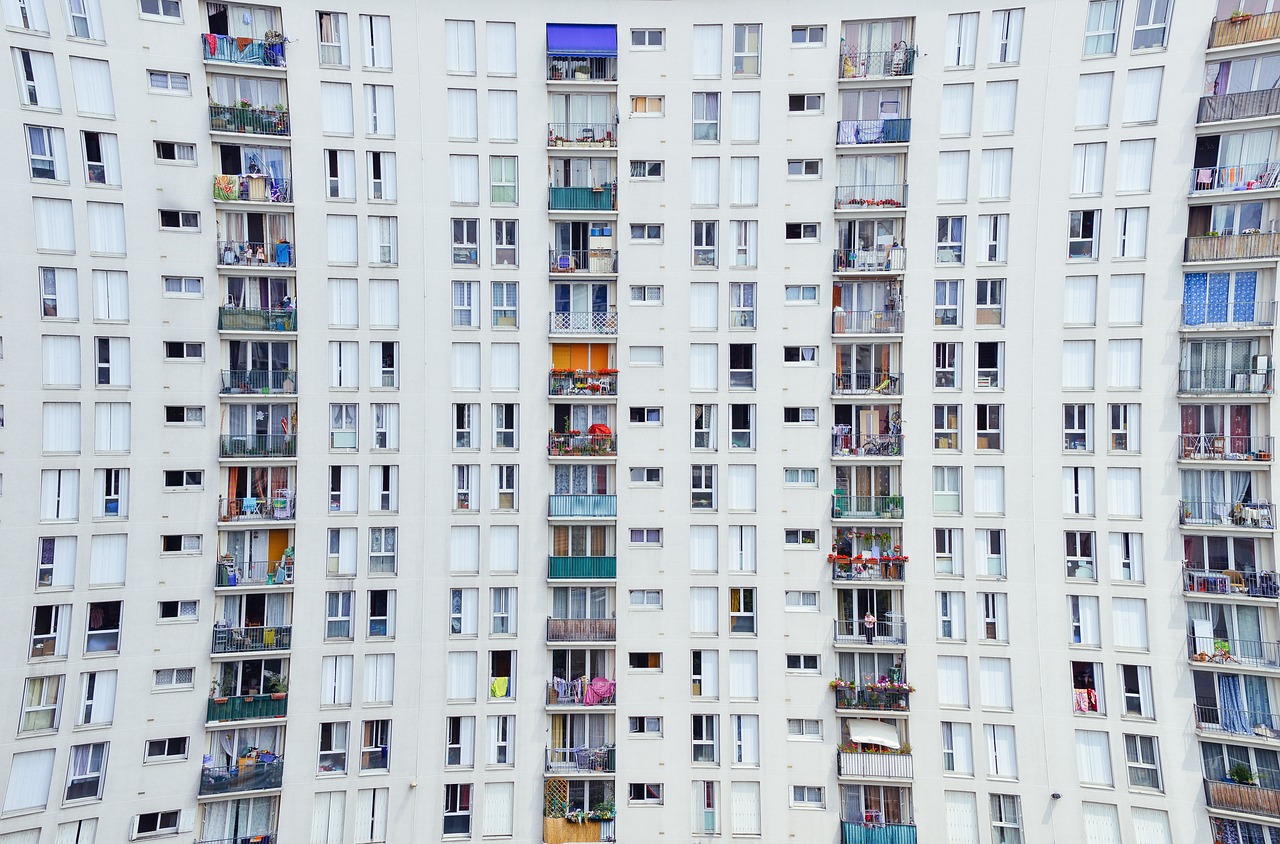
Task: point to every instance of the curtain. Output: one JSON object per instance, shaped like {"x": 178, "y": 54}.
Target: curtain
{"x": 704, "y": 181}
{"x": 108, "y": 557}
{"x": 1118, "y": 543}
{"x": 962, "y": 41}
{"x": 708, "y": 43}
{"x": 710, "y": 675}
{"x": 104, "y": 697}
{"x": 1077, "y": 364}
{"x": 1129, "y": 622}
{"x": 1142, "y": 95}
{"x": 745, "y": 808}
{"x": 327, "y": 817}
{"x": 342, "y": 239}
{"x": 995, "y": 682}
{"x": 384, "y": 303}
{"x": 461, "y": 677}
{"x": 1093, "y": 100}
{"x": 957, "y": 109}
{"x": 1126, "y": 300}
{"x": 1000, "y": 106}
{"x": 704, "y": 305}
{"x": 1006, "y": 39}
{"x": 1088, "y": 162}
{"x": 30, "y": 773}
{"x": 1151, "y": 826}
{"x": 703, "y": 362}
{"x": 336, "y": 112}
{"x": 92, "y": 79}
{"x": 744, "y": 677}
{"x": 61, "y": 427}
{"x": 743, "y": 540}
{"x": 465, "y": 175}
{"x": 466, "y": 366}
{"x": 377, "y": 40}
{"x": 55, "y": 230}
{"x": 951, "y": 622}
{"x": 346, "y": 160}
{"x": 503, "y": 116}
{"x": 703, "y": 614}
{"x": 1089, "y": 630}
{"x": 744, "y": 173}
{"x": 504, "y": 359}
{"x": 742, "y": 487}
{"x": 961, "y": 806}
{"x": 953, "y": 176}
{"x": 344, "y": 302}
{"x": 60, "y": 494}
{"x": 380, "y": 677}
{"x": 745, "y": 242}
{"x": 1133, "y": 167}
{"x": 997, "y": 174}
{"x": 60, "y": 552}
{"x": 1093, "y": 757}
{"x": 384, "y": 247}
{"x": 953, "y": 681}
{"x": 1002, "y": 750}
{"x": 504, "y": 548}
{"x": 60, "y": 294}
{"x": 744, "y": 112}
{"x": 1232, "y": 713}
{"x": 343, "y": 365}
{"x": 462, "y": 114}
{"x": 387, "y": 161}
{"x": 39, "y": 22}
{"x": 464, "y": 549}
{"x": 988, "y": 490}
{"x": 45, "y": 77}
{"x": 110, "y": 295}
{"x": 499, "y": 804}
{"x": 1125, "y": 364}
{"x": 1131, "y": 232}
{"x": 1124, "y": 492}
{"x": 380, "y": 109}
{"x": 109, "y": 146}
{"x": 1077, "y": 490}
{"x": 501, "y": 54}
{"x": 460, "y": 46}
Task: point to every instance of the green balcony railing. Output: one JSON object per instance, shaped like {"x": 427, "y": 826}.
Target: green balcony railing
{"x": 246, "y": 707}
{"x": 603, "y": 198}
{"x": 872, "y": 832}
{"x": 257, "y": 319}
{"x": 584, "y": 506}
{"x": 583, "y": 568}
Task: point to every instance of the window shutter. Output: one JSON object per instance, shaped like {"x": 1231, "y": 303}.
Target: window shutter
{"x": 744, "y": 683}
{"x": 464, "y": 554}
{"x": 108, "y": 557}
{"x": 708, "y": 44}
{"x": 745, "y": 809}
{"x": 1101, "y": 823}
{"x": 1093, "y": 100}
{"x": 336, "y": 112}
{"x": 92, "y": 79}
{"x": 962, "y": 814}
{"x": 499, "y": 809}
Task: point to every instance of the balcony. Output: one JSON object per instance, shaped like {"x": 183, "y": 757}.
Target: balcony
{"x": 252, "y": 51}
{"x": 582, "y": 135}
{"x": 604, "y": 198}
{"x": 1239, "y": 106}
{"x": 872, "y": 832}
{"x": 258, "y": 774}
{"x": 1233, "y": 177}
{"x": 582, "y": 68}
{"x": 888, "y": 130}
{"x": 1253, "y": 515}
{"x": 257, "y": 319}
{"x": 255, "y": 838}
{"x": 1250, "y": 799}
{"x": 582, "y": 382}
{"x": 234, "y": 640}
{"x": 582, "y": 322}
{"x": 1232, "y": 247}
{"x": 248, "y": 120}
{"x": 847, "y": 506}
{"x": 877, "y": 64}
{"x": 882, "y": 259}
{"x": 581, "y": 445}
{"x": 265, "y": 382}
{"x": 873, "y": 197}
{"x": 561, "y": 830}
{"x": 252, "y": 187}
{"x": 1226, "y": 447}
{"x": 892, "y": 766}
{"x": 1244, "y": 29}
{"x": 1226, "y": 380}
{"x": 866, "y": 445}
{"x": 862, "y": 382}
{"x": 1238, "y": 653}
{"x": 600, "y": 691}
{"x": 587, "y": 261}
{"x": 874, "y": 698}
{"x": 593, "y": 506}
{"x": 256, "y": 509}
{"x": 246, "y": 707}
{"x": 850, "y": 631}
{"x": 581, "y": 629}
{"x": 582, "y": 568}
{"x": 249, "y": 253}
{"x": 1229, "y": 721}
{"x": 1254, "y": 584}
{"x": 581, "y": 760}
{"x": 232, "y": 572}
{"x": 259, "y": 445}
{"x": 868, "y": 569}
{"x": 1245, "y": 314}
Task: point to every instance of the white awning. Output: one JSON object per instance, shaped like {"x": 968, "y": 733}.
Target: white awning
{"x": 873, "y": 732}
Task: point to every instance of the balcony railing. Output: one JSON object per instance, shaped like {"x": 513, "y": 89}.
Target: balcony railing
{"x": 1255, "y": 584}
{"x": 582, "y": 382}
{"x": 253, "y": 572}
{"x": 877, "y": 64}
{"x": 1238, "y": 106}
{"x": 252, "y": 188}
{"x": 866, "y": 322}
{"x": 880, "y": 197}
{"x": 1233, "y": 177}
{"x": 582, "y": 68}
{"x": 597, "y": 506}
{"x": 254, "y": 121}
{"x": 850, "y": 631}
{"x": 1226, "y": 447}
{"x": 590, "y": 261}
{"x": 581, "y": 629}
{"x": 582, "y": 445}
{"x": 1241, "y": 652}
{"x": 267, "y": 382}
{"x": 1250, "y": 799}
{"x": 1231, "y": 247}
{"x": 895, "y": 766}
{"x": 252, "y": 838}
{"x": 847, "y": 506}
{"x": 882, "y": 259}
{"x": 231, "y": 640}
{"x": 582, "y": 568}
{"x": 1254, "y": 515}
{"x": 259, "y": 445}
{"x": 246, "y": 707}
{"x": 604, "y": 198}
{"x": 257, "y": 319}
{"x": 1226, "y": 380}
{"x": 866, "y": 445}
{"x": 255, "y": 509}
{"x": 583, "y": 322}
{"x": 600, "y": 691}
{"x": 1239, "y": 722}
{"x": 228, "y": 48}
{"x": 861, "y": 382}
{"x": 250, "y": 775}
{"x": 867, "y": 569}
{"x": 1228, "y": 32}
{"x": 582, "y": 134}
{"x": 1245, "y": 313}
{"x": 862, "y": 698}
{"x": 872, "y": 832}
{"x": 564, "y": 829}
{"x": 887, "y": 130}
{"x": 250, "y": 253}
{"x": 581, "y": 760}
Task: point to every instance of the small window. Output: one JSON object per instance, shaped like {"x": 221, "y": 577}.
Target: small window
{"x": 804, "y": 103}
{"x": 990, "y": 307}
{"x": 645, "y": 660}
{"x": 646, "y": 294}
{"x": 800, "y": 416}
{"x": 645, "y": 106}
{"x": 173, "y": 83}
{"x": 179, "y": 610}
{"x": 183, "y": 351}
{"x": 178, "y": 414}
{"x": 1143, "y": 756}
{"x": 807, "y": 355}
{"x": 797, "y": 601}
{"x": 176, "y": 152}
{"x": 645, "y": 355}
{"x": 166, "y": 750}
{"x": 800, "y": 477}
{"x": 173, "y": 678}
{"x": 645, "y": 725}
{"x": 650, "y": 171}
{"x": 466, "y": 242}
{"x": 803, "y": 662}
{"x": 183, "y": 286}
{"x": 181, "y": 220}
{"x": 645, "y": 599}
{"x": 800, "y": 536}
{"x": 646, "y": 416}
{"x": 646, "y": 536}
{"x": 164, "y": 9}
{"x": 1082, "y": 235}
{"x": 647, "y": 231}
{"x": 648, "y": 39}
{"x": 152, "y": 824}
{"x": 799, "y": 729}
{"x": 746, "y": 49}
{"x": 989, "y": 427}
{"x": 950, "y": 240}
{"x": 646, "y": 475}
{"x": 808, "y": 796}
{"x": 812, "y": 36}
{"x": 181, "y": 543}
{"x": 802, "y": 231}
{"x": 801, "y": 294}
{"x": 645, "y": 792}
{"x": 946, "y": 303}
{"x": 804, "y": 168}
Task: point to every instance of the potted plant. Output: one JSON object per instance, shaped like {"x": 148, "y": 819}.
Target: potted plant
{"x": 1240, "y": 773}
{"x": 605, "y": 810}
{"x": 278, "y": 686}
{"x": 1240, "y": 16}
{"x": 894, "y": 505}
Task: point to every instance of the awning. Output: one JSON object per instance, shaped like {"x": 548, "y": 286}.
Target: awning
{"x": 582, "y": 39}
{"x": 873, "y": 732}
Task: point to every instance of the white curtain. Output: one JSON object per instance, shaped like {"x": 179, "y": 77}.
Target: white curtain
{"x": 61, "y": 427}
{"x": 1000, "y": 107}
{"x": 380, "y": 109}
{"x": 109, "y": 146}
{"x": 744, "y": 675}
{"x": 995, "y": 681}
{"x": 1093, "y": 100}
{"x": 464, "y": 549}
{"x": 384, "y": 303}
{"x": 499, "y": 805}
{"x": 59, "y": 494}
{"x": 1006, "y": 36}
{"x": 55, "y": 230}
{"x": 388, "y": 162}
{"x": 466, "y": 366}
{"x": 1124, "y": 492}
{"x": 745, "y": 808}
{"x": 1093, "y": 757}
{"x": 371, "y": 815}
{"x": 37, "y": 19}
{"x": 1077, "y": 364}
{"x": 1126, "y": 548}
{"x": 1124, "y": 371}
{"x": 346, "y": 160}
{"x": 110, "y": 295}
{"x": 460, "y": 46}
{"x": 384, "y": 247}
{"x": 961, "y": 744}
{"x": 704, "y": 301}
{"x": 962, "y": 40}
{"x": 1088, "y": 163}
{"x": 704, "y": 181}
{"x": 1077, "y": 490}
{"x": 961, "y": 808}
{"x": 464, "y": 174}
{"x": 327, "y": 817}
{"x": 344, "y": 302}
{"x": 704, "y": 548}
{"x": 30, "y": 773}
{"x": 380, "y": 677}
{"x": 504, "y": 548}
{"x": 504, "y": 359}
{"x": 503, "y": 115}
{"x": 710, "y": 676}
{"x": 1131, "y": 233}
{"x": 1090, "y": 632}
{"x": 335, "y": 109}
{"x": 384, "y": 488}
{"x": 951, "y": 621}
{"x": 743, "y": 547}
{"x": 1126, "y": 300}
{"x": 988, "y": 490}
{"x": 501, "y": 54}
{"x": 106, "y": 228}
{"x": 108, "y": 558}
{"x": 61, "y": 360}
{"x": 956, "y": 109}
{"x": 745, "y": 242}
{"x": 1101, "y": 823}
{"x": 742, "y": 487}
{"x": 1133, "y": 167}
{"x": 64, "y": 560}
{"x": 953, "y": 681}
{"x": 461, "y": 678}
{"x": 60, "y": 293}
{"x": 343, "y": 240}
{"x": 377, "y": 40}
{"x": 344, "y": 365}
{"x": 103, "y": 710}
{"x": 1129, "y": 622}
{"x": 92, "y": 78}
{"x": 953, "y": 176}
{"x": 1142, "y": 95}
{"x": 44, "y": 75}
{"x": 1080, "y": 300}
{"x": 744, "y": 114}
{"x": 997, "y": 173}
{"x": 708, "y": 45}
{"x": 462, "y": 114}
{"x": 744, "y": 175}
{"x": 1002, "y": 751}
{"x": 703, "y": 369}
{"x": 1151, "y": 826}
{"x": 703, "y": 610}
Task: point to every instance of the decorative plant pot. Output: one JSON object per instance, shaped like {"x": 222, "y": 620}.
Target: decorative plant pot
{"x": 220, "y": 700}
{"x": 279, "y": 695}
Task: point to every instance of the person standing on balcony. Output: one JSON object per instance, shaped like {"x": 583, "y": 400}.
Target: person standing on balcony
{"x": 869, "y": 627}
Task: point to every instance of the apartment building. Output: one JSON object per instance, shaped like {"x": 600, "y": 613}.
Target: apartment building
{"x": 905, "y": 379}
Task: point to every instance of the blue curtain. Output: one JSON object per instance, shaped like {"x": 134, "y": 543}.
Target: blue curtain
{"x": 1255, "y": 688}
{"x": 1219, "y": 290}
{"x": 1246, "y": 287}
{"x": 1231, "y": 712}
{"x": 1193, "y": 297}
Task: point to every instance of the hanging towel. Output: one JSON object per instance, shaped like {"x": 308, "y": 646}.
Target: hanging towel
{"x": 211, "y": 43}
{"x": 498, "y": 688}
{"x": 599, "y": 690}
{"x": 242, "y": 43}
{"x": 226, "y": 188}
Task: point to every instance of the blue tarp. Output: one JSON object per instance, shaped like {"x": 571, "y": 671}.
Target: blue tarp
{"x": 582, "y": 39}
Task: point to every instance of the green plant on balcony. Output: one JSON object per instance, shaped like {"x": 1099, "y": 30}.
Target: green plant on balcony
{"x": 868, "y": 747}
{"x": 1241, "y": 773}
{"x": 278, "y": 686}
{"x": 605, "y": 810}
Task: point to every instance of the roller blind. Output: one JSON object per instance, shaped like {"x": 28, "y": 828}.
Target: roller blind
{"x": 703, "y": 362}
{"x": 1079, "y": 304}
{"x": 342, "y": 239}
{"x": 988, "y": 490}
{"x": 92, "y": 79}
{"x": 703, "y": 611}
{"x": 61, "y": 427}
{"x": 327, "y": 817}
{"x": 744, "y": 176}
{"x": 962, "y": 816}
{"x": 956, "y": 116}
{"x": 106, "y": 228}
{"x": 466, "y": 366}
{"x": 997, "y": 174}
{"x": 461, "y": 679}
{"x": 1129, "y": 622}
{"x": 707, "y": 50}
{"x": 376, "y": 30}
{"x": 379, "y": 678}
{"x": 464, "y": 172}
{"x": 1093, "y": 100}
{"x": 336, "y": 114}
{"x": 61, "y": 361}
{"x": 953, "y": 176}
{"x": 462, "y": 114}
{"x": 29, "y": 776}
{"x": 108, "y": 557}
{"x": 743, "y": 547}
{"x": 504, "y": 360}
{"x": 1088, "y": 163}
{"x": 110, "y": 295}
{"x": 37, "y": 20}
{"x": 499, "y": 808}
{"x": 745, "y": 808}
{"x": 744, "y": 116}
{"x": 1093, "y": 757}
{"x": 460, "y": 46}
{"x": 704, "y": 302}
{"x": 464, "y": 549}
{"x": 384, "y": 303}
{"x": 1000, "y": 107}
{"x": 742, "y": 487}
{"x": 1142, "y": 95}
{"x": 704, "y": 181}
{"x": 1151, "y": 826}
{"x": 704, "y": 552}
{"x": 744, "y": 675}
{"x": 504, "y": 548}
{"x": 1124, "y": 492}
{"x": 953, "y": 681}
{"x": 1101, "y": 823}
{"x": 1002, "y": 750}
{"x": 962, "y": 41}
{"x": 380, "y": 109}
{"x": 1077, "y": 490}
{"x": 55, "y": 230}
{"x": 1077, "y": 364}
{"x": 995, "y": 681}
{"x": 503, "y": 116}
{"x": 1133, "y": 165}
{"x": 501, "y": 54}
{"x": 1124, "y": 370}
{"x": 1125, "y": 307}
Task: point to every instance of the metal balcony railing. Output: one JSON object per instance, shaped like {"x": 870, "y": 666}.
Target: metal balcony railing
{"x": 1219, "y": 315}
{"x": 251, "y": 253}
{"x": 863, "y": 698}
{"x": 1238, "y": 106}
{"x": 590, "y": 261}
{"x": 602, "y": 567}
{"x": 603, "y": 198}
{"x": 1249, "y": 799}
{"x": 1212, "y": 718}
{"x": 850, "y": 631}
{"x": 887, "y": 130}
{"x": 255, "y": 509}
{"x": 1256, "y": 515}
{"x": 581, "y": 760}
{"x": 1255, "y": 584}
{"x": 877, "y": 64}
{"x": 882, "y": 259}
{"x": 255, "y": 187}
{"x": 257, "y": 319}
{"x": 250, "y": 775}
{"x": 847, "y": 506}
{"x": 859, "y": 569}
{"x": 582, "y": 445}
{"x": 1226, "y": 380}
{"x": 1244, "y": 29}
{"x": 600, "y": 691}
{"x": 1233, "y": 177}
{"x": 866, "y": 381}
{"x": 1226, "y": 447}
{"x": 228, "y": 48}
{"x": 1232, "y": 247}
{"x": 265, "y": 382}
{"x": 250, "y": 838}
{"x": 866, "y": 322}
{"x": 582, "y": 134}
{"x": 869, "y": 831}
{"x": 583, "y": 322}
{"x": 246, "y": 707}
{"x": 866, "y": 445}
{"x": 587, "y": 506}
{"x": 251, "y": 120}
{"x": 892, "y": 766}
{"x": 581, "y": 629}
{"x": 880, "y": 197}
{"x": 230, "y": 640}
{"x": 582, "y": 68}
{"x": 259, "y": 445}
{"x": 1241, "y": 652}
{"x": 582, "y": 382}
{"x": 253, "y": 572}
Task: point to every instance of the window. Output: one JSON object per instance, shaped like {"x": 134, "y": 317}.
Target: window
{"x": 1078, "y": 490}
{"x": 179, "y": 610}
{"x": 742, "y": 610}
{"x": 989, "y": 427}
{"x": 183, "y": 351}
{"x": 164, "y": 9}
{"x": 502, "y": 617}
{"x": 1151, "y": 26}
{"x": 1006, "y": 48}
{"x": 808, "y": 796}
{"x": 460, "y": 47}
{"x": 505, "y": 488}
{"x": 37, "y": 80}
{"x": 334, "y": 40}
{"x": 1131, "y": 232}
{"x": 946, "y": 365}
{"x": 804, "y": 729}
{"x": 382, "y": 612}
{"x": 651, "y": 171}
{"x": 1002, "y": 755}
{"x": 386, "y": 426}
{"x": 180, "y": 220}
{"x": 332, "y": 756}
{"x": 162, "y": 80}
{"x": 651, "y": 39}
{"x": 1082, "y": 235}
{"x": 1124, "y": 427}
{"x": 1084, "y": 620}
{"x": 706, "y": 116}
{"x": 646, "y": 536}
{"x": 1077, "y": 427}
{"x": 800, "y": 477}
{"x": 457, "y": 809}
{"x": 645, "y": 660}
{"x": 180, "y": 286}
{"x": 993, "y": 231}
{"x": 646, "y": 416}
{"x": 1139, "y": 698}
{"x": 950, "y": 240}
{"x": 802, "y": 231}
{"x": 502, "y": 180}
{"x": 962, "y": 41}
{"x": 800, "y": 416}
{"x": 505, "y": 424}
{"x": 703, "y": 487}
{"x": 1093, "y": 100}
{"x": 946, "y": 489}
{"x": 382, "y": 176}
{"x": 742, "y": 366}
{"x": 376, "y": 31}
{"x": 338, "y": 615}
{"x": 704, "y": 244}
{"x": 646, "y": 106}
{"x": 1081, "y": 563}
{"x": 1006, "y": 817}
{"x": 1102, "y": 24}
{"x": 800, "y": 536}
{"x": 1143, "y": 758}
{"x": 47, "y": 153}
{"x": 103, "y": 634}
{"x": 340, "y": 173}
{"x": 375, "y": 747}
{"x": 152, "y": 824}
{"x": 808, "y": 35}
{"x": 995, "y": 616}
{"x": 41, "y": 704}
{"x": 176, "y": 152}
{"x": 647, "y": 232}
{"x": 807, "y": 663}
{"x": 998, "y": 118}
{"x": 948, "y": 551}
{"x": 184, "y": 543}
{"x": 951, "y": 616}
{"x": 86, "y": 771}
{"x": 957, "y": 748}
{"x": 946, "y": 302}
{"x": 645, "y": 599}
{"x": 804, "y": 103}
{"x": 383, "y": 240}
{"x": 645, "y": 355}
{"x": 166, "y": 750}
{"x": 957, "y": 110}
{"x": 706, "y": 747}
{"x": 380, "y": 110}
{"x": 746, "y": 49}
{"x": 989, "y": 361}
{"x": 644, "y": 792}
{"x": 996, "y": 177}
{"x": 645, "y": 726}
{"x": 804, "y": 168}
{"x": 501, "y": 730}
{"x": 179, "y": 678}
